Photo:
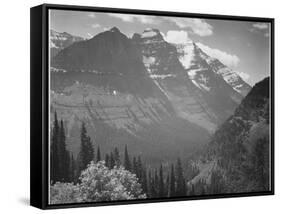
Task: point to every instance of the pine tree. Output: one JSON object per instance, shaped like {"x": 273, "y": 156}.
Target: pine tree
{"x": 166, "y": 186}
{"x": 67, "y": 163}
{"x": 127, "y": 162}
{"x": 60, "y": 158}
{"x": 139, "y": 168}
{"x": 192, "y": 190}
{"x": 72, "y": 169}
{"x": 149, "y": 185}
{"x": 98, "y": 154}
{"x": 54, "y": 151}
{"x": 153, "y": 192}
{"x": 107, "y": 160}
{"x": 216, "y": 185}
{"x": 156, "y": 184}
{"x": 161, "y": 182}
{"x": 144, "y": 181}
{"x": 117, "y": 157}
{"x": 63, "y": 154}
{"x": 111, "y": 161}
{"x": 135, "y": 166}
{"x": 86, "y": 154}
{"x": 180, "y": 180}
{"x": 172, "y": 182}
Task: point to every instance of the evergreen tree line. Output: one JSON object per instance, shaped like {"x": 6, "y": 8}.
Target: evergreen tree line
{"x": 64, "y": 168}
{"x": 155, "y": 182}
{"x": 62, "y": 161}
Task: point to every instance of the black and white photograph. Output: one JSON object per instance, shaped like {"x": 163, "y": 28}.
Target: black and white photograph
{"x": 145, "y": 107}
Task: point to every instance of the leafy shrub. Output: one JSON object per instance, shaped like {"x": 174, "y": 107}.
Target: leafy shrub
{"x": 98, "y": 183}
{"x": 62, "y": 193}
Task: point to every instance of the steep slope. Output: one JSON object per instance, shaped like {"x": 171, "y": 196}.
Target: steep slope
{"x": 239, "y": 150}
{"x": 104, "y": 82}
{"x": 111, "y": 58}
{"x": 182, "y": 72}
{"x": 230, "y": 76}
{"x": 139, "y": 92}
{"x": 205, "y": 74}
{"x": 59, "y": 41}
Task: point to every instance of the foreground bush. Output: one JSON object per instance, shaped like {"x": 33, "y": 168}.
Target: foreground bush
{"x": 98, "y": 183}
{"x": 61, "y": 193}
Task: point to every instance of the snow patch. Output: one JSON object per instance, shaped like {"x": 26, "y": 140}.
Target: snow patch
{"x": 201, "y": 86}
{"x": 148, "y": 60}
{"x": 193, "y": 72}
{"x": 161, "y": 76}
{"x": 186, "y": 52}
{"x": 52, "y": 45}
{"x": 148, "y": 34}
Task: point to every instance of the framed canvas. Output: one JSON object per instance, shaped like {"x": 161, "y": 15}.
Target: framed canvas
{"x": 134, "y": 106}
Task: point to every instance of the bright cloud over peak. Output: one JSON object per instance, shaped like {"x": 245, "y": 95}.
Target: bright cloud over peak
{"x": 196, "y": 26}
{"x": 131, "y": 18}
{"x": 260, "y": 26}
{"x": 230, "y": 60}
{"x": 95, "y": 25}
{"x": 244, "y": 75}
{"x": 176, "y": 37}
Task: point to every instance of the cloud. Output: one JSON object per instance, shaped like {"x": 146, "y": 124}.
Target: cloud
{"x": 92, "y": 15}
{"x": 197, "y": 26}
{"x": 176, "y": 37}
{"x": 135, "y": 18}
{"x": 95, "y": 25}
{"x": 266, "y": 34}
{"x": 260, "y": 26}
{"x": 230, "y": 60}
{"x": 243, "y": 75}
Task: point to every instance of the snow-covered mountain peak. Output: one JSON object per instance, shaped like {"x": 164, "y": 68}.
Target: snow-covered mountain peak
{"x": 114, "y": 29}
{"x": 151, "y": 35}
{"x": 150, "y": 32}
{"x": 61, "y": 40}
{"x": 186, "y": 53}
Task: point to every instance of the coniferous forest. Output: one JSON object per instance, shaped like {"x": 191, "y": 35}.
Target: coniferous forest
{"x": 138, "y": 112}
{"x": 68, "y": 174}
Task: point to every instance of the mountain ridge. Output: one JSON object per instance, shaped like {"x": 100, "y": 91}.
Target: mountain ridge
{"x": 239, "y": 149}
{"x": 61, "y": 40}
{"x": 139, "y": 93}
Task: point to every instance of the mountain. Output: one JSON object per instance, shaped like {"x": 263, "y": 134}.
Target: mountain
{"x": 194, "y": 85}
{"x": 59, "y": 41}
{"x": 104, "y": 82}
{"x": 198, "y": 64}
{"x": 230, "y": 76}
{"x": 239, "y": 149}
{"x": 140, "y": 92}
{"x": 111, "y": 57}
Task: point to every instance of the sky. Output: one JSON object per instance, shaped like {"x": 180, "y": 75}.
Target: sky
{"x": 241, "y": 45}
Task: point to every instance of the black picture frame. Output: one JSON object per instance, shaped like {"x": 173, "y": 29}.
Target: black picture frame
{"x": 39, "y": 103}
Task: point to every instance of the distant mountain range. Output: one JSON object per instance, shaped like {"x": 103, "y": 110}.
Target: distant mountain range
{"x": 163, "y": 100}
{"x": 59, "y": 41}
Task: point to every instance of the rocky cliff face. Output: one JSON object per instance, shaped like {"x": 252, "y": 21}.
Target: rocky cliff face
{"x": 141, "y": 92}
{"x": 194, "y": 85}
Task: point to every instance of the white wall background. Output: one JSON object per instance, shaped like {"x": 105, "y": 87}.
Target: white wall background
{"x": 14, "y": 96}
